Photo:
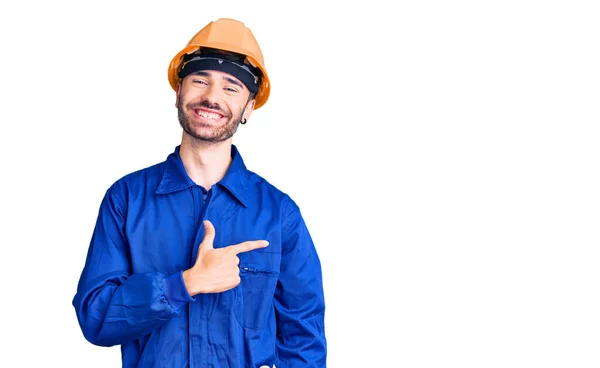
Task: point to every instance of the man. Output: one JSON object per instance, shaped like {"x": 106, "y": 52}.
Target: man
{"x": 197, "y": 261}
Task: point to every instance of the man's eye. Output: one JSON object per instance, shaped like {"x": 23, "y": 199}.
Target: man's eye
{"x": 229, "y": 89}
{"x": 200, "y": 82}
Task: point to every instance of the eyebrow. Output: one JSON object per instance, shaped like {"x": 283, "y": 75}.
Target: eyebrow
{"x": 233, "y": 81}
{"x": 203, "y": 73}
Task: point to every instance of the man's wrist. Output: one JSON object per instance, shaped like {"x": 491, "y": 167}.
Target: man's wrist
{"x": 188, "y": 280}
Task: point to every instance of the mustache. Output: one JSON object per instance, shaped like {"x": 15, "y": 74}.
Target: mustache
{"x": 208, "y": 105}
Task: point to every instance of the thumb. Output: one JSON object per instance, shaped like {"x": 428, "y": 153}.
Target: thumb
{"x": 209, "y": 235}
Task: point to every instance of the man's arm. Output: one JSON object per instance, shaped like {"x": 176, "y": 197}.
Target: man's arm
{"x": 112, "y": 304}
{"x": 299, "y": 298}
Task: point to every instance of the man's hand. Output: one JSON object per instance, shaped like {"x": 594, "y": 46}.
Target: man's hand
{"x": 216, "y": 270}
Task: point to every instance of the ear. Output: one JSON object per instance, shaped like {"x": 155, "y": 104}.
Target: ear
{"x": 249, "y": 108}
{"x": 177, "y": 95}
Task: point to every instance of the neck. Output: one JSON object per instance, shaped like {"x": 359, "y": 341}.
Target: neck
{"x": 205, "y": 163}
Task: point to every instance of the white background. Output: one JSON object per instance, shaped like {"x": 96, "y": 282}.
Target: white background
{"x": 445, "y": 156}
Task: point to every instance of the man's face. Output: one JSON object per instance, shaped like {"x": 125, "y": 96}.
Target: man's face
{"x": 211, "y": 104}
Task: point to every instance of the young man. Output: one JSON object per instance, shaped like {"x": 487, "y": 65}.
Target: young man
{"x": 197, "y": 261}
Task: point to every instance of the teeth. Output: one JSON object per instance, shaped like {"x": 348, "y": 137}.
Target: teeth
{"x": 209, "y": 115}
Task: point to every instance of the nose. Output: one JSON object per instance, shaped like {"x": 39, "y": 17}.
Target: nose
{"x": 211, "y": 95}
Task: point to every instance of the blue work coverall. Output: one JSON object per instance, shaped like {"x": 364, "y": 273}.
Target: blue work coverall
{"x": 149, "y": 226}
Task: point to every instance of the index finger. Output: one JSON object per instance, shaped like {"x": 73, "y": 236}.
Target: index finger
{"x": 248, "y": 246}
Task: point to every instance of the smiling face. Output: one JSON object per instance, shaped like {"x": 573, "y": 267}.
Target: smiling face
{"x": 211, "y": 104}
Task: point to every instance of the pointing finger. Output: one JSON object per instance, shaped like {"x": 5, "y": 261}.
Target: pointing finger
{"x": 248, "y": 246}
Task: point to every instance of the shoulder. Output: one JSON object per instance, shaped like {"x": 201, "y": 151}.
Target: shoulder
{"x": 136, "y": 181}
{"x": 274, "y": 194}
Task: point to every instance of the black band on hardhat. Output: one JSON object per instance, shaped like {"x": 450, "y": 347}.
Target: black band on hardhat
{"x": 220, "y": 62}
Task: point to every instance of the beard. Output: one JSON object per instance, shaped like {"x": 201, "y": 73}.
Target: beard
{"x": 215, "y": 134}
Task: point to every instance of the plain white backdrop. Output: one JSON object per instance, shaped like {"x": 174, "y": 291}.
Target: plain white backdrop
{"x": 445, "y": 156}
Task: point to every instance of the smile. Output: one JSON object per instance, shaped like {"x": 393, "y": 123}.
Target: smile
{"x": 208, "y": 115}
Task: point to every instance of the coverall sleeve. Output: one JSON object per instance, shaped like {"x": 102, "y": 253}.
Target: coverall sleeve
{"x": 299, "y": 300}
{"x": 112, "y": 304}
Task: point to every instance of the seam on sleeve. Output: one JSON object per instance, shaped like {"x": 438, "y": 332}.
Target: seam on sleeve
{"x": 286, "y": 221}
{"x": 120, "y": 203}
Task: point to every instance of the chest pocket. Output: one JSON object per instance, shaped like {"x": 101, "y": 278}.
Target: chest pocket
{"x": 254, "y": 295}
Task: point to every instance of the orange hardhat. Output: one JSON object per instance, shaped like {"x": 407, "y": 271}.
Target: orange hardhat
{"x": 227, "y": 35}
